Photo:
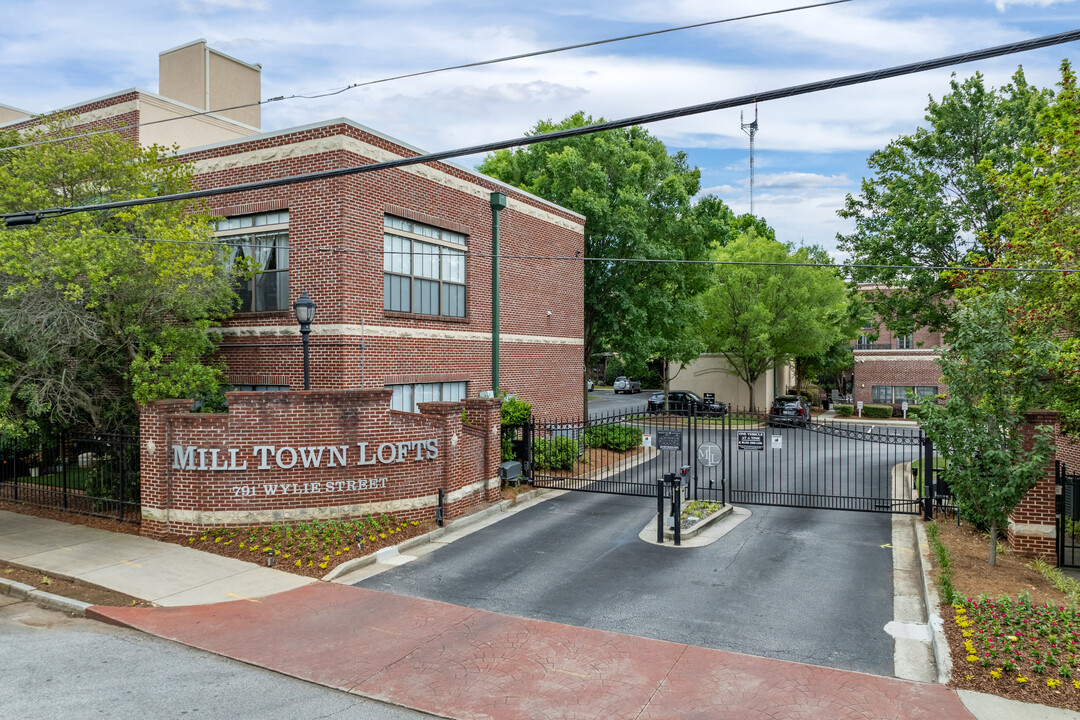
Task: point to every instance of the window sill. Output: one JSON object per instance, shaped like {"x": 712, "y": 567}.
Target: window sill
{"x": 417, "y": 316}
{"x": 261, "y": 314}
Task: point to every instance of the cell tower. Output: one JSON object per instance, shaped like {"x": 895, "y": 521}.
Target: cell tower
{"x": 750, "y": 129}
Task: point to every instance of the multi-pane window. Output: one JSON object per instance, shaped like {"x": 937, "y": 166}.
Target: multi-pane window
{"x": 264, "y": 240}
{"x": 423, "y": 269}
{"x": 890, "y": 394}
{"x": 904, "y": 342}
{"x": 406, "y": 397}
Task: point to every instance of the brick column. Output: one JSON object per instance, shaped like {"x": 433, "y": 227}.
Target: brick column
{"x": 486, "y": 413}
{"x": 1032, "y": 528}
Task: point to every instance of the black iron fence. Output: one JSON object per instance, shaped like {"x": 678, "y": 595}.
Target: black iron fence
{"x": 1068, "y": 517}
{"x": 77, "y": 473}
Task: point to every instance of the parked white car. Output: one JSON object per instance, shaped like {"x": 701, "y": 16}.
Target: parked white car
{"x": 625, "y": 384}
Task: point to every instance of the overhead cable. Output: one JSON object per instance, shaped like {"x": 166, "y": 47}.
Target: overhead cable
{"x": 33, "y": 216}
{"x": 479, "y": 63}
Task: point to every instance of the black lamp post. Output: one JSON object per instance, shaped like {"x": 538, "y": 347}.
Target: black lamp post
{"x": 304, "y": 307}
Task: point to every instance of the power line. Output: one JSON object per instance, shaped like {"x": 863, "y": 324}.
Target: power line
{"x": 479, "y": 63}
{"x": 33, "y": 216}
{"x": 226, "y": 241}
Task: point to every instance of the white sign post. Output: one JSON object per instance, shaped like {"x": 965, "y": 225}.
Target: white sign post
{"x": 859, "y": 406}
{"x": 903, "y": 406}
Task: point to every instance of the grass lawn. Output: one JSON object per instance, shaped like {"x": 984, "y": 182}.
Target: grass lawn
{"x": 76, "y": 479}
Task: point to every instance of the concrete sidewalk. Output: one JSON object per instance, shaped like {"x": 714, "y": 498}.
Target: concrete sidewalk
{"x": 455, "y": 661}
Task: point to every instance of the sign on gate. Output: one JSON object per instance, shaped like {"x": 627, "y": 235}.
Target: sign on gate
{"x": 753, "y": 440}
{"x": 709, "y": 454}
{"x": 669, "y": 440}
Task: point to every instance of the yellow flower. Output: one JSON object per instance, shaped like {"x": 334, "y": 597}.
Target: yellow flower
{"x": 371, "y": 538}
{"x": 1013, "y": 638}
{"x": 967, "y": 633}
{"x": 203, "y": 537}
{"x": 286, "y": 556}
{"x": 960, "y": 609}
{"x": 996, "y": 674}
{"x": 266, "y": 549}
{"x": 217, "y": 539}
{"x": 227, "y": 542}
{"x": 415, "y": 523}
{"x": 1021, "y": 679}
{"x": 382, "y": 535}
{"x": 338, "y": 552}
{"x": 322, "y": 565}
{"x": 1052, "y": 683}
{"x": 972, "y": 658}
{"x": 346, "y": 549}
{"x": 297, "y": 563}
{"x": 1076, "y": 684}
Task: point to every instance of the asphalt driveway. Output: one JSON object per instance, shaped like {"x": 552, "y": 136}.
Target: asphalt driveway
{"x": 810, "y": 586}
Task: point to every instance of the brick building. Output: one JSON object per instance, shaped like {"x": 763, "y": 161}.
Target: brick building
{"x": 887, "y": 365}
{"x": 397, "y": 261}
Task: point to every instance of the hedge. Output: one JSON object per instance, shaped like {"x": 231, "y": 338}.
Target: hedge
{"x": 558, "y": 453}
{"x": 619, "y": 438}
{"x": 845, "y": 410}
{"x": 877, "y": 411}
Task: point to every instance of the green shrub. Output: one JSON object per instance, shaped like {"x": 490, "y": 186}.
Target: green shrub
{"x": 558, "y": 453}
{"x": 619, "y": 438}
{"x": 104, "y": 482}
{"x": 877, "y": 411}
{"x": 515, "y": 413}
{"x": 845, "y": 410}
{"x": 916, "y": 411}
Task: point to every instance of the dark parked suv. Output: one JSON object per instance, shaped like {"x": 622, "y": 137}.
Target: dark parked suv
{"x": 789, "y": 410}
{"x": 680, "y": 402}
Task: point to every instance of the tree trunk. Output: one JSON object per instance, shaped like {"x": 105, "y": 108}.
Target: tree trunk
{"x": 750, "y": 389}
{"x": 667, "y": 388}
{"x": 993, "y": 543}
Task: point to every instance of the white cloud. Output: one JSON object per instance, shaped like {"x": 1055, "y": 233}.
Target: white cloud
{"x": 1003, "y": 5}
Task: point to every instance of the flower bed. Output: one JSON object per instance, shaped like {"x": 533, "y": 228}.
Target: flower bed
{"x": 1017, "y": 649}
{"x": 309, "y": 548}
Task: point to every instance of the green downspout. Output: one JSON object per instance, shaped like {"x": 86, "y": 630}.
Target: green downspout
{"x": 498, "y": 202}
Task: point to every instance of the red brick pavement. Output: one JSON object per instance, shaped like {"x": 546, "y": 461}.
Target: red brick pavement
{"x": 464, "y": 663}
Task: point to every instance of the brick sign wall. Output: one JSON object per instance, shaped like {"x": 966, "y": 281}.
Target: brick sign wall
{"x": 289, "y": 456}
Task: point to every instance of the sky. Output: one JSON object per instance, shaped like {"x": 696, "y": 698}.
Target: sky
{"x": 810, "y": 151}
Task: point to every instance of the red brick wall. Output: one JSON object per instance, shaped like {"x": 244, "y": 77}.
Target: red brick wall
{"x": 336, "y": 255}
{"x": 180, "y": 496}
{"x": 1032, "y": 524}
{"x": 892, "y": 368}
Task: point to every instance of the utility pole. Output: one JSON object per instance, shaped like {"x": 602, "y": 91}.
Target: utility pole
{"x": 750, "y": 129}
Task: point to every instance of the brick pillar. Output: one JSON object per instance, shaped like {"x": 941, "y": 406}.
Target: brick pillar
{"x": 153, "y": 461}
{"x": 1033, "y": 523}
{"x": 486, "y": 413}
{"x": 448, "y": 416}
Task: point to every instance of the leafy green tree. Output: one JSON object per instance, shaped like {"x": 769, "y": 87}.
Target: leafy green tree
{"x": 99, "y": 311}
{"x": 992, "y": 369}
{"x": 636, "y": 198}
{"x": 760, "y": 316}
{"x": 1040, "y": 228}
{"x": 929, "y": 204}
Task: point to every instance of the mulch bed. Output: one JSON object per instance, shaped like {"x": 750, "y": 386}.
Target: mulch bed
{"x": 110, "y": 524}
{"x": 972, "y": 577}
{"x": 72, "y": 589}
{"x": 242, "y": 551}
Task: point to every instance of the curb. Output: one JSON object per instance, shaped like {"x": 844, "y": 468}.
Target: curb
{"x": 48, "y": 600}
{"x": 698, "y": 527}
{"x": 942, "y": 656}
{"x": 462, "y": 522}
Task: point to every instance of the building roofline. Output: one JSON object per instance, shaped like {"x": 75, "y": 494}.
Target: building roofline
{"x": 383, "y": 136}
{"x": 139, "y": 92}
{"x": 253, "y": 66}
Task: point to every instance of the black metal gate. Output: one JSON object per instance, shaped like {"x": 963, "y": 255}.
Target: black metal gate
{"x": 1068, "y": 517}
{"x": 626, "y": 453}
{"x": 85, "y": 474}
{"x": 829, "y": 465}
{"x": 737, "y": 457}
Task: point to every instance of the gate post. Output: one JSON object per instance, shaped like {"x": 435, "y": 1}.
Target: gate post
{"x": 660, "y": 511}
{"x": 928, "y": 479}
{"x": 1059, "y": 507}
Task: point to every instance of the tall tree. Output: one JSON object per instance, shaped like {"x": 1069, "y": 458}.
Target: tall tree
{"x": 1040, "y": 228}
{"x": 929, "y": 204}
{"x": 636, "y": 199}
{"x": 762, "y": 315}
{"x": 99, "y": 311}
{"x": 992, "y": 367}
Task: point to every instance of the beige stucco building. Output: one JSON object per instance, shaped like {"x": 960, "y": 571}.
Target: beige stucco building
{"x": 711, "y": 373}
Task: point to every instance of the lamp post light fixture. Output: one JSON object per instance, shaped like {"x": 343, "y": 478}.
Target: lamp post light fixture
{"x": 304, "y": 307}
